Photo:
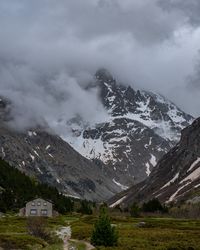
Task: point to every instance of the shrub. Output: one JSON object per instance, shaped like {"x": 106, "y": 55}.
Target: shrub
{"x": 186, "y": 211}
{"x": 36, "y": 226}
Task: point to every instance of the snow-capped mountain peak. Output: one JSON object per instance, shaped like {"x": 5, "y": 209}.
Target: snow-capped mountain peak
{"x": 139, "y": 128}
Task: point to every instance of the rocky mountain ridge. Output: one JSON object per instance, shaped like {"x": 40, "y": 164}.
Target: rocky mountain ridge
{"x": 51, "y": 160}
{"x": 139, "y": 129}
{"x": 176, "y": 176}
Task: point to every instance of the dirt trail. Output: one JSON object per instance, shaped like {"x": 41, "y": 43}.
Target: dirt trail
{"x": 87, "y": 244}
{"x": 66, "y": 245}
{"x": 65, "y": 234}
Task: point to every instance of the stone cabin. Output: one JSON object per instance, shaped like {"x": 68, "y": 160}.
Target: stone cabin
{"x": 38, "y": 207}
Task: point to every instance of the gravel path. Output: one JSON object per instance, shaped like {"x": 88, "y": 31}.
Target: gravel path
{"x": 65, "y": 234}
{"x": 87, "y": 244}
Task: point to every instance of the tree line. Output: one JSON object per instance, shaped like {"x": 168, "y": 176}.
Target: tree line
{"x": 16, "y": 189}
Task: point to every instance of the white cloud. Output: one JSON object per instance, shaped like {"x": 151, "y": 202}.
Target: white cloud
{"x": 50, "y": 49}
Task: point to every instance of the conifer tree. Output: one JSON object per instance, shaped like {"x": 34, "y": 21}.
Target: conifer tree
{"x": 135, "y": 210}
{"x": 104, "y": 234}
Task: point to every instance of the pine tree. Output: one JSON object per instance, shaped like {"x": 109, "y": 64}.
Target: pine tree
{"x": 104, "y": 234}
{"x": 85, "y": 207}
{"x": 135, "y": 210}
{"x": 152, "y": 206}
{"x": 16, "y": 189}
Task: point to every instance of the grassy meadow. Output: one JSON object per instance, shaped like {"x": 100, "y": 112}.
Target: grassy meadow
{"x": 154, "y": 234}
{"x": 13, "y": 235}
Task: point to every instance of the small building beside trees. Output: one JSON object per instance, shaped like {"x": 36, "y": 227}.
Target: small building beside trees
{"x": 38, "y": 207}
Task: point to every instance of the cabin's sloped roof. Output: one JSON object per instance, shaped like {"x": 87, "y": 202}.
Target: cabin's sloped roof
{"x": 39, "y": 199}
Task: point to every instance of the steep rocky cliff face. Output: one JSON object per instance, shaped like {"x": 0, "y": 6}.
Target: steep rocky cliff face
{"x": 50, "y": 159}
{"x": 140, "y": 127}
{"x": 176, "y": 176}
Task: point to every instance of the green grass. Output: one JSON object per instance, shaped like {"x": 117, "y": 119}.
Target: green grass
{"x": 58, "y": 246}
{"x": 20, "y": 241}
{"x": 157, "y": 234}
{"x": 78, "y": 245}
{"x": 13, "y": 224}
{"x": 13, "y": 234}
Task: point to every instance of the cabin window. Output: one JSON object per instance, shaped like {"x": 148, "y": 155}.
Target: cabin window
{"x": 33, "y": 203}
{"x": 33, "y": 212}
{"x": 45, "y": 204}
{"x": 39, "y": 203}
{"x": 44, "y": 212}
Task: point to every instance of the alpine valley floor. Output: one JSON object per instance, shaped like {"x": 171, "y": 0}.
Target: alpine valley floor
{"x": 157, "y": 234}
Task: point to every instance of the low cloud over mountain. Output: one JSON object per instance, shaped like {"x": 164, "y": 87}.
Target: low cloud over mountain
{"x": 50, "y": 50}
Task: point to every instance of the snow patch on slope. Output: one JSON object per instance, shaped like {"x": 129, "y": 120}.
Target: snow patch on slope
{"x": 172, "y": 197}
{"x": 120, "y": 185}
{"x": 117, "y": 202}
{"x": 193, "y": 176}
{"x": 32, "y": 157}
{"x": 153, "y": 160}
{"x": 194, "y": 164}
{"x": 148, "y": 172}
{"x": 3, "y": 152}
{"x": 171, "y": 181}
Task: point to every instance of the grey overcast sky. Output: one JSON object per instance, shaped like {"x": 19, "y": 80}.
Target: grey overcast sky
{"x": 49, "y": 49}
